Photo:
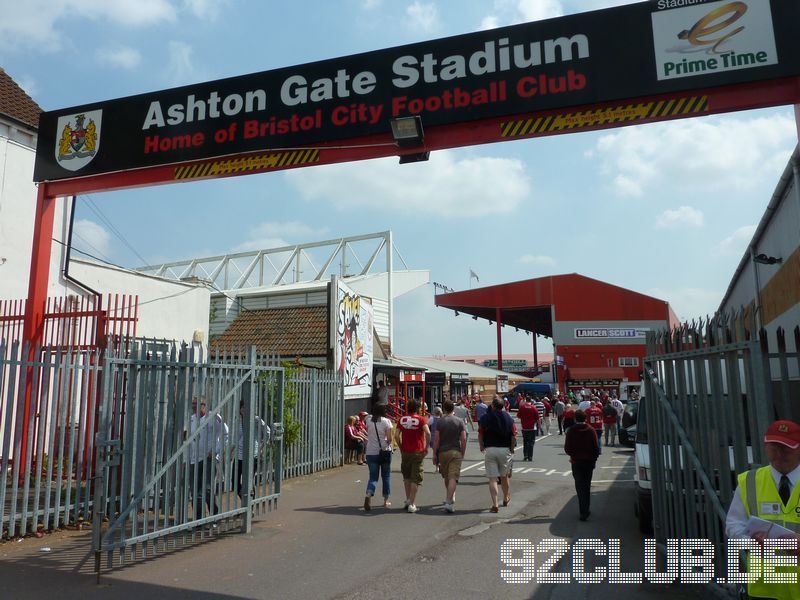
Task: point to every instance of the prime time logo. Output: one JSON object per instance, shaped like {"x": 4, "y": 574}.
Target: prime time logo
{"x": 713, "y": 37}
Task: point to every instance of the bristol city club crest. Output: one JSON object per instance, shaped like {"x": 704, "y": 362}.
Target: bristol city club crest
{"x": 78, "y": 139}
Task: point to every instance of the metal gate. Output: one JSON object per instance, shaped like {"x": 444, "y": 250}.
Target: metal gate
{"x": 711, "y": 390}
{"x": 186, "y": 449}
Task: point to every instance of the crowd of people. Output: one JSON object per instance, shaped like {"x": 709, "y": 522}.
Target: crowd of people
{"x": 765, "y": 496}
{"x": 587, "y": 419}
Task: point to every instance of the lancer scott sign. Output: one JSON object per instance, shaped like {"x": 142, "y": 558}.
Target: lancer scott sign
{"x": 643, "y": 49}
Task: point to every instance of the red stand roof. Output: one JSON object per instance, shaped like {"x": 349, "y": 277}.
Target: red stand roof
{"x": 532, "y": 304}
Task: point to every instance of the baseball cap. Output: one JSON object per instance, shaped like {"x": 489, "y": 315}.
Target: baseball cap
{"x": 363, "y": 413}
{"x": 783, "y": 432}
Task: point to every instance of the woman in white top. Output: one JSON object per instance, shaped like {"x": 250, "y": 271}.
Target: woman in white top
{"x": 379, "y": 437}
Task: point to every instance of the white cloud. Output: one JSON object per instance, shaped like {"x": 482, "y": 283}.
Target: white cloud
{"x": 271, "y": 234}
{"x": 696, "y": 153}
{"x": 28, "y": 84}
{"x": 680, "y": 217}
{"x": 180, "y": 69}
{"x": 578, "y": 6}
{"x": 370, "y": 4}
{"x": 736, "y": 243}
{"x": 205, "y": 9}
{"x": 422, "y": 17}
{"x": 91, "y": 237}
{"x": 46, "y": 24}
{"x": 539, "y": 260}
{"x": 689, "y": 303}
{"x": 510, "y": 12}
{"x": 126, "y": 58}
{"x": 489, "y": 22}
{"x": 536, "y": 10}
{"x": 445, "y": 185}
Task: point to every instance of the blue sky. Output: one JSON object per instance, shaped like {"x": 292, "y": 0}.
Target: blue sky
{"x": 663, "y": 209}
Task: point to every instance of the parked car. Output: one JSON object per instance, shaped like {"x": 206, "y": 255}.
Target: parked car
{"x": 643, "y": 507}
{"x": 630, "y": 413}
{"x": 627, "y": 436}
{"x": 535, "y": 390}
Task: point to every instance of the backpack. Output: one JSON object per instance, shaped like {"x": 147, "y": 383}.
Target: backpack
{"x": 609, "y": 410}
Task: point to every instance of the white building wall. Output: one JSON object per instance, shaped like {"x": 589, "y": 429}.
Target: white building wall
{"x": 381, "y": 318}
{"x": 780, "y": 238}
{"x": 167, "y": 309}
{"x": 17, "y": 209}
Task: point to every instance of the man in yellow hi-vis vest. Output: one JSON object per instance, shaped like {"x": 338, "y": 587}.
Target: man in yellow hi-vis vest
{"x": 772, "y": 494}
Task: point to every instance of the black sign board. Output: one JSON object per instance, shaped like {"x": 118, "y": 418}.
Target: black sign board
{"x": 593, "y": 383}
{"x": 638, "y": 50}
{"x": 435, "y": 378}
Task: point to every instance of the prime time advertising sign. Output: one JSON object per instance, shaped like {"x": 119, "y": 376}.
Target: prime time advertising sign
{"x": 633, "y": 51}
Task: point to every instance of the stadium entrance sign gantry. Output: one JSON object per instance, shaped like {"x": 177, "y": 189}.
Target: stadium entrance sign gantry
{"x": 638, "y": 63}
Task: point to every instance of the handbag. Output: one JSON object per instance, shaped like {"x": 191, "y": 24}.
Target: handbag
{"x": 384, "y": 456}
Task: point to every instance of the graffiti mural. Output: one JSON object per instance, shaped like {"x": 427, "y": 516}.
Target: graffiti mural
{"x": 354, "y": 322}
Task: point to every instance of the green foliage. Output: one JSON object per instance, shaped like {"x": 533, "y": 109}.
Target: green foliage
{"x": 291, "y": 427}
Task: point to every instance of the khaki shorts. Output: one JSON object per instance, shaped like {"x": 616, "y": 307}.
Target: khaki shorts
{"x": 450, "y": 464}
{"x": 497, "y": 462}
{"x": 411, "y": 466}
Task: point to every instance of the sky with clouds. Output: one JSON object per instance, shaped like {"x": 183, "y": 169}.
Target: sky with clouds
{"x": 663, "y": 209}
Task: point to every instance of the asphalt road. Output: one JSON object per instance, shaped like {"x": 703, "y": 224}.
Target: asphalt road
{"x": 321, "y": 544}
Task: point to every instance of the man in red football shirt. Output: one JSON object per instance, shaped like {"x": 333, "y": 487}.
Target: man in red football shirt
{"x": 594, "y": 417}
{"x": 415, "y": 435}
{"x": 529, "y": 418}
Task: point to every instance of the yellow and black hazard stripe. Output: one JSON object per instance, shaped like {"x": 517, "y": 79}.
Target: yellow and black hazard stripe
{"x": 604, "y": 116}
{"x": 260, "y": 162}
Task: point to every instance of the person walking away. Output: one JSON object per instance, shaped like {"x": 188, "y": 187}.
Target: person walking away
{"x": 558, "y": 408}
{"x": 261, "y": 438}
{"x": 569, "y": 416}
{"x": 497, "y": 440}
{"x": 204, "y": 456}
{"x": 480, "y": 407}
{"x": 594, "y": 417}
{"x": 433, "y": 421}
{"x": 609, "y": 423}
{"x": 540, "y": 407}
{"x": 379, "y": 456}
{"x": 548, "y": 410}
{"x": 529, "y": 420}
{"x": 449, "y": 447}
{"x": 620, "y": 408}
{"x": 415, "y": 435}
{"x": 583, "y": 449}
{"x": 772, "y": 495}
{"x": 462, "y": 412}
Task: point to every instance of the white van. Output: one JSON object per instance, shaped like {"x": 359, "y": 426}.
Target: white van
{"x": 643, "y": 507}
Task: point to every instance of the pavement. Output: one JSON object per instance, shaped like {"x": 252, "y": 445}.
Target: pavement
{"x": 320, "y": 543}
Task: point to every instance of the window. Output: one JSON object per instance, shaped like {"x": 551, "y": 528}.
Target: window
{"x": 628, "y": 361}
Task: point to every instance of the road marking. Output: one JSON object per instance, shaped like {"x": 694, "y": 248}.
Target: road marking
{"x": 612, "y": 480}
{"x": 472, "y": 466}
{"x": 612, "y": 467}
{"x": 550, "y": 472}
